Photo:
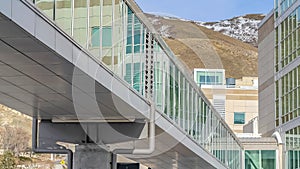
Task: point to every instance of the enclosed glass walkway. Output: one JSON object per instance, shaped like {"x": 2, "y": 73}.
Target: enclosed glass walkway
{"x": 117, "y": 33}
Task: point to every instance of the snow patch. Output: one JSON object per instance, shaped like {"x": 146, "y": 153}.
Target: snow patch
{"x": 241, "y": 28}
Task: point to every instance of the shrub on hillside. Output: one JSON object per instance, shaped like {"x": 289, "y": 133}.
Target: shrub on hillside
{"x": 8, "y": 160}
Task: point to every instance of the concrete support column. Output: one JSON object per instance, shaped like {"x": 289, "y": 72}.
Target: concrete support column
{"x": 282, "y": 156}
{"x": 92, "y": 156}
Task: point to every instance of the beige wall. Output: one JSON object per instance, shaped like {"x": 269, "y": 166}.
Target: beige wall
{"x": 266, "y": 124}
{"x": 246, "y": 81}
{"x": 237, "y": 100}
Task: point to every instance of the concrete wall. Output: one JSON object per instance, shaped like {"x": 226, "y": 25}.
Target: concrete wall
{"x": 266, "y": 78}
{"x": 250, "y": 107}
{"x": 251, "y": 127}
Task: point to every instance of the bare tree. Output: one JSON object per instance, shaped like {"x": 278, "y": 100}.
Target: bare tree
{"x": 14, "y": 139}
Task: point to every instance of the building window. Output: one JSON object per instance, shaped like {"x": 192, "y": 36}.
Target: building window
{"x": 265, "y": 159}
{"x": 209, "y": 76}
{"x": 239, "y": 118}
{"x": 106, "y": 36}
{"x": 95, "y": 36}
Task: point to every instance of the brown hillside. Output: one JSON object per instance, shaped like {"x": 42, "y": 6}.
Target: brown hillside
{"x": 239, "y": 59}
{"x": 255, "y": 16}
{"x": 209, "y": 49}
{"x": 181, "y": 51}
{"x": 14, "y": 118}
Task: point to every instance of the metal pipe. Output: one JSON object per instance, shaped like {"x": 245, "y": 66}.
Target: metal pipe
{"x": 151, "y": 146}
{"x": 277, "y": 136}
{"x": 47, "y": 151}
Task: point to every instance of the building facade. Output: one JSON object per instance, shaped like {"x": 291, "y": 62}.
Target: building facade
{"x": 266, "y": 76}
{"x": 235, "y": 99}
{"x": 279, "y": 66}
{"x": 238, "y": 106}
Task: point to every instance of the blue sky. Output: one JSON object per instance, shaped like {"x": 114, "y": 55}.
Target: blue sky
{"x": 206, "y": 10}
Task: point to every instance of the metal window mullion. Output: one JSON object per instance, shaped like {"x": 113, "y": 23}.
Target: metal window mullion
{"x": 119, "y": 41}
{"x": 203, "y": 122}
{"x": 72, "y": 17}
{"x": 101, "y": 29}
{"x": 163, "y": 84}
{"x": 160, "y": 80}
{"x": 196, "y": 117}
{"x": 208, "y": 124}
{"x": 112, "y": 36}
{"x": 211, "y": 130}
{"x": 87, "y": 23}
{"x": 168, "y": 87}
{"x": 179, "y": 99}
{"x": 124, "y": 40}
{"x": 195, "y": 104}
{"x": 226, "y": 145}
{"x": 188, "y": 107}
{"x": 174, "y": 92}
{"x": 231, "y": 150}
{"x": 141, "y": 63}
{"x": 212, "y": 134}
{"x": 192, "y": 111}
{"x": 219, "y": 139}
{"x": 208, "y": 130}
{"x": 222, "y": 142}
{"x": 132, "y": 50}
{"x": 183, "y": 102}
{"x": 200, "y": 122}
{"x": 156, "y": 79}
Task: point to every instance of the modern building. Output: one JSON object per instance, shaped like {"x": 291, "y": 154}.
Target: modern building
{"x": 237, "y": 102}
{"x": 95, "y": 74}
{"x": 235, "y": 99}
{"x": 279, "y": 86}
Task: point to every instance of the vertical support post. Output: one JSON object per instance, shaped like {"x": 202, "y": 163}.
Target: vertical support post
{"x": 149, "y": 71}
{"x": 92, "y": 156}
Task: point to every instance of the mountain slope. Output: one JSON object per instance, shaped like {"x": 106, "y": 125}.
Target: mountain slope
{"x": 210, "y": 49}
{"x": 244, "y": 28}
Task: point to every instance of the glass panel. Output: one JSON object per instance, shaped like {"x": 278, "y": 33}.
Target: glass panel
{"x": 182, "y": 98}
{"x": 158, "y": 85}
{"x": 176, "y": 97}
{"x": 137, "y": 35}
{"x": 136, "y": 77}
{"x": 80, "y": 22}
{"x": 128, "y": 71}
{"x": 129, "y": 45}
{"x": 106, "y": 36}
{"x": 268, "y": 159}
{"x": 46, "y": 6}
{"x": 118, "y": 38}
{"x": 171, "y": 90}
{"x": 95, "y": 37}
{"x": 107, "y": 20}
{"x": 186, "y": 103}
{"x": 63, "y": 15}
{"x": 94, "y": 28}
{"x": 167, "y": 87}
{"x": 252, "y": 159}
